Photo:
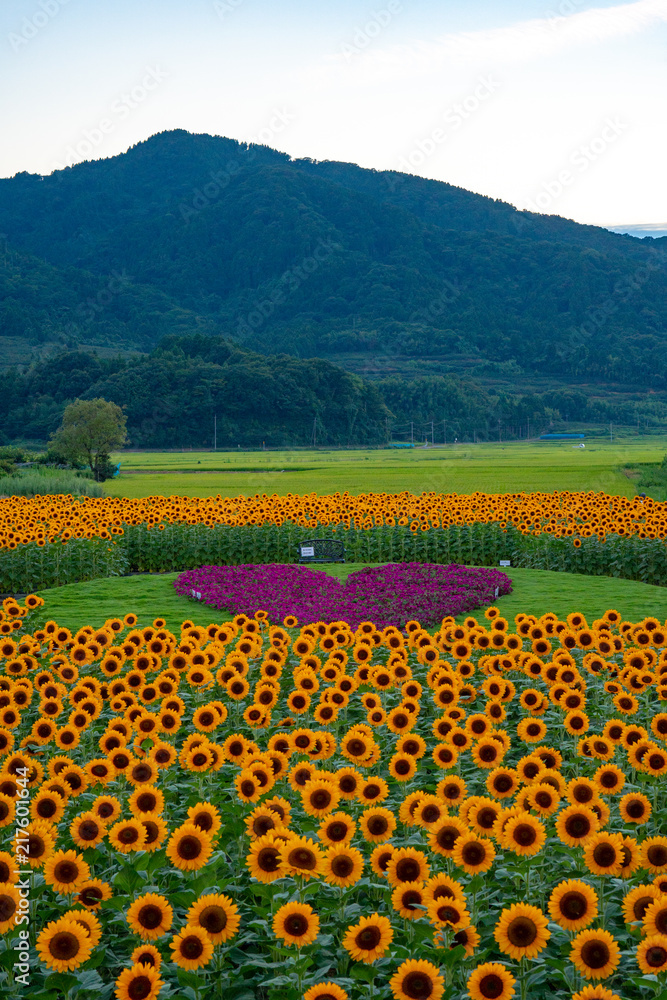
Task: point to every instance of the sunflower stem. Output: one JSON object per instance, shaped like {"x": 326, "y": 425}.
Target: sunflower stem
{"x": 524, "y": 984}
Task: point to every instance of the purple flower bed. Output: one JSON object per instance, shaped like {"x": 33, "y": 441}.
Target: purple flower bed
{"x": 385, "y": 595}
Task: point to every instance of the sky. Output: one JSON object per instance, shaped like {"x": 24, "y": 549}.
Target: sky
{"x": 555, "y": 106}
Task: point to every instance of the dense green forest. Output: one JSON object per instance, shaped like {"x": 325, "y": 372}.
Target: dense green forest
{"x": 195, "y": 234}
{"x": 172, "y": 395}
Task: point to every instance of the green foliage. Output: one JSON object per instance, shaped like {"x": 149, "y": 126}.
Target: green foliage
{"x": 45, "y": 482}
{"x": 90, "y": 429}
{"x": 146, "y": 549}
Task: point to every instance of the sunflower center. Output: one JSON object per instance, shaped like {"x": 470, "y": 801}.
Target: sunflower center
{"x": 656, "y": 956}
{"x": 502, "y": 783}
{"x": 635, "y": 808}
{"x": 417, "y": 985}
{"x": 150, "y": 916}
{"x": 447, "y": 837}
{"x": 657, "y": 855}
{"x": 213, "y": 919}
{"x": 46, "y": 808}
{"x": 368, "y": 938}
{"x": 522, "y": 932}
{"x": 268, "y": 859}
{"x": 488, "y": 754}
{"x": 582, "y": 793}
{"x": 473, "y": 854}
{"x": 578, "y": 826}
{"x": 342, "y": 866}
{"x": 320, "y": 799}
{"x": 88, "y": 830}
{"x": 301, "y": 857}
{"x": 296, "y": 924}
{"x": 189, "y": 848}
{"x": 7, "y": 907}
{"x": 128, "y": 835}
{"x": 543, "y": 799}
{"x": 357, "y": 748}
{"x": 377, "y": 825}
{"x": 146, "y": 802}
{"x": 660, "y": 921}
{"x": 337, "y": 831}
{"x": 261, "y": 825}
{"x": 524, "y": 834}
{"x": 486, "y": 817}
{"x": 248, "y": 787}
{"x": 191, "y": 947}
{"x": 66, "y": 871}
{"x": 573, "y": 905}
{"x": 604, "y": 855}
{"x": 430, "y": 814}
{"x": 152, "y": 831}
{"x": 408, "y": 870}
{"x": 449, "y": 914}
{"x": 595, "y": 954}
{"x": 142, "y": 773}
{"x": 402, "y": 766}
{"x": 64, "y": 945}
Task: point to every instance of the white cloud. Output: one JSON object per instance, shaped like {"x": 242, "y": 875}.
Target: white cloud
{"x": 558, "y": 29}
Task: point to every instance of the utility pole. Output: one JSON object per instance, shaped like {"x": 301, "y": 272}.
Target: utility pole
{"x": 215, "y": 432}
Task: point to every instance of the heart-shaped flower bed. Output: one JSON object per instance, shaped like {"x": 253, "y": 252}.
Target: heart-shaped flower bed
{"x": 385, "y": 595}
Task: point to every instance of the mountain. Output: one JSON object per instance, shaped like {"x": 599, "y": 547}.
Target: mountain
{"x": 370, "y": 268}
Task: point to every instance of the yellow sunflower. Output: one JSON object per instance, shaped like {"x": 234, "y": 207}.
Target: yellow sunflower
{"x": 150, "y": 916}
{"x": 325, "y": 991}
{"x": 337, "y": 828}
{"x": 473, "y": 854}
{"x": 377, "y": 824}
{"x": 448, "y": 911}
{"x": 296, "y": 923}
{"x": 595, "y": 954}
{"x": 368, "y": 939}
{"x": 522, "y": 931}
{"x": 573, "y": 904}
{"x": 63, "y": 945}
{"x": 603, "y": 853}
{"x": 343, "y": 865}
{"x": 407, "y": 865}
{"x": 191, "y": 948}
{"x": 138, "y": 981}
{"x": 65, "y": 871}
{"x": 417, "y": 978}
{"x": 491, "y": 980}
{"x": 217, "y": 915}
{"x": 189, "y": 848}
{"x": 263, "y": 859}
{"x": 652, "y": 954}
{"x": 10, "y": 899}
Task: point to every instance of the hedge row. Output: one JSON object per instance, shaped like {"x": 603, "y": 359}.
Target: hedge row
{"x": 178, "y": 547}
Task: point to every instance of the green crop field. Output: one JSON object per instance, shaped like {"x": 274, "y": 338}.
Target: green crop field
{"x": 534, "y": 592}
{"x": 489, "y": 468}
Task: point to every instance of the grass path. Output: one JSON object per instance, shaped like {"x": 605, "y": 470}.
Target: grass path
{"x": 534, "y": 592}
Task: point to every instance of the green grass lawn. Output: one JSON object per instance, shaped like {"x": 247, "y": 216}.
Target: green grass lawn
{"x": 535, "y": 592}
{"x": 490, "y": 468}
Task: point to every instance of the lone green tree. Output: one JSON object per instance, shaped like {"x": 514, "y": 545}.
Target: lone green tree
{"x": 90, "y": 430}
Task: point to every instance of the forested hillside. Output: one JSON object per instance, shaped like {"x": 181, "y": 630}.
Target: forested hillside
{"x": 322, "y": 259}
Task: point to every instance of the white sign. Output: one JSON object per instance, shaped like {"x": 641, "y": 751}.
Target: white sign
{"x": 505, "y": 562}
{"x": 307, "y": 550}
{"x": 196, "y": 594}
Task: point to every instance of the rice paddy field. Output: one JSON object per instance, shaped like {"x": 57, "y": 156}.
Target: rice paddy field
{"x": 534, "y": 466}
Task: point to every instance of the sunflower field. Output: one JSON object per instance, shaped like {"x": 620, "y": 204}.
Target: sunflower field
{"x": 292, "y": 810}
{"x": 48, "y": 541}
